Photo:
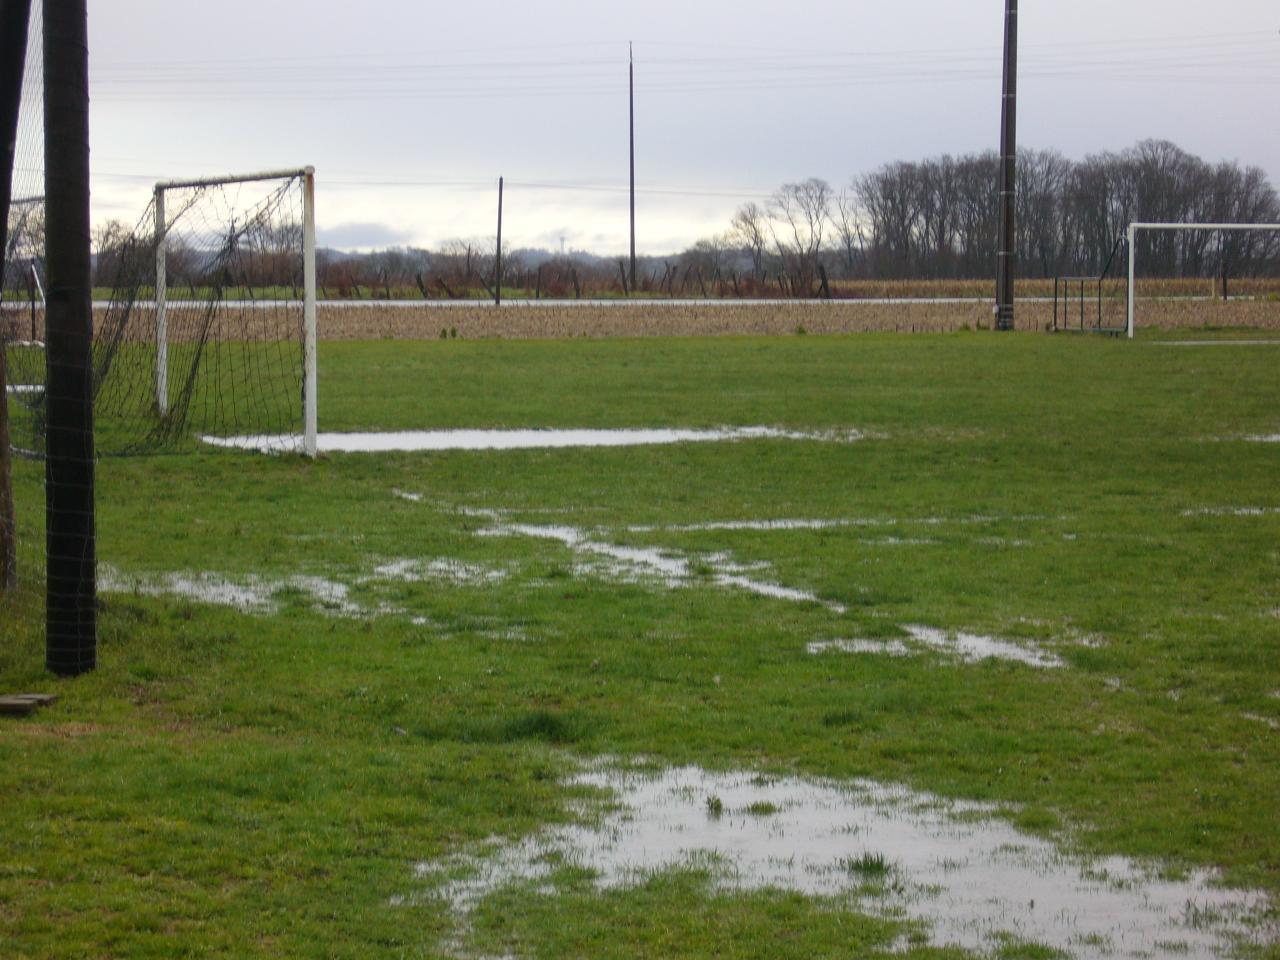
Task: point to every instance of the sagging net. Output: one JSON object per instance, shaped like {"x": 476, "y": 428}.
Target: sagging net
{"x": 22, "y": 488}
{"x": 212, "y": 345}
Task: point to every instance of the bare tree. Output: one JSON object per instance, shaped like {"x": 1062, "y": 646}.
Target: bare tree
{"x": 801, "y": 213}
{"x": 847, "y": 224}
{"x": 750, "y": 227}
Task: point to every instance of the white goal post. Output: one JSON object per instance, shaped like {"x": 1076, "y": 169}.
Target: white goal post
{"x": 1213, "y": 227}
{"x": 162, "y": 227}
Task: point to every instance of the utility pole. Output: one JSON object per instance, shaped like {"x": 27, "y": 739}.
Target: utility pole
{"x": 72, "y": 605}
{"x": 497, "y": 281}
{"x": 631, "y": 73}
{"x": 1006, "y": 266}
{"x": 14, "y": 18}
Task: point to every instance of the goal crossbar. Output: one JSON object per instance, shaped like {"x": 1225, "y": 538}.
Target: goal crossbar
{"x": 236, "y": 178}
{"x": 1212, "y": 227}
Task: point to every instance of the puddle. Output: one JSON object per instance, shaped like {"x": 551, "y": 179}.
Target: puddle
{"x": 767, "y": 526}
{"x": 969, "y": 647}
{"x": 249, "y": 594}
{"x": 261, "y": 595}
{"x": 441, "y": 440}
{"x": 1265, "y": 721}
{"x": 966, "y": 876}
{"x": 1232, "y": 512}
{"x": 439, "y": 571}
{"x": 668, "y": 567}
{"x": 1265, "y": 438}
{"x": 883, "y": 648}
{"x": 405, "y": 495}
{"x": 24, "y": 388}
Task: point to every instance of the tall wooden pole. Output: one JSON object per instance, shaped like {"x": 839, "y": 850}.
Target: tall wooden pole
{"x": 71, "y": 619}
{"x": 631, "y": 84}
{"x": 497, "y": 281}
{"x": 1006, "y": 267}
{"x": 15, "y": 16}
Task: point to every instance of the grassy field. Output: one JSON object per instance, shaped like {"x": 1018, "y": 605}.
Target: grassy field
{"x": 403, "y": 661}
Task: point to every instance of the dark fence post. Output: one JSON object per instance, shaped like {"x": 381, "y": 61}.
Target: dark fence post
{"x": 71, "y": 640}
{"x": 1006, "y": 268}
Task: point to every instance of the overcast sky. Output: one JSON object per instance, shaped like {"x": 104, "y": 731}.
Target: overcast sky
{"x": 410, "y": 110}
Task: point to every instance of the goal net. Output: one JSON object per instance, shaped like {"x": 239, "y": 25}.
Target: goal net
{"x": 1203, "y": 275}
{"x": 204, "y": 318}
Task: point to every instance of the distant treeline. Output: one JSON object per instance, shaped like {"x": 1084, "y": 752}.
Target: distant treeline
{"x": 934, "y": 219}
{"x": 938, "y": 217}
{"x": 929, "y": 219}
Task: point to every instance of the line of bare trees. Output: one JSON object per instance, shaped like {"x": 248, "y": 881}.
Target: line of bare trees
{"x": 937, "y": 218}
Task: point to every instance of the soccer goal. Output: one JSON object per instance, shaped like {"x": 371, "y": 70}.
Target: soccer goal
{"x": 235, "y": 288}
{"x": 208, "y": 328}
{"x": 204, "y": 317}
{"x": 1208, "y": 254}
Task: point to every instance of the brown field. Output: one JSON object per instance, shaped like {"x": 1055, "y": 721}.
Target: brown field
{"x": 745, "y": 318}
{"x": 523, "y": 320}
{"x": 1043, "y": 287}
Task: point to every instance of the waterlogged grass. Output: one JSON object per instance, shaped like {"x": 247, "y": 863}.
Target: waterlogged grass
{"x": 235, "y": 784}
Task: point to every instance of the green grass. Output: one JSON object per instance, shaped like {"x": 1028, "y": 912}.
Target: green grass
{"x": 229, "y": 784}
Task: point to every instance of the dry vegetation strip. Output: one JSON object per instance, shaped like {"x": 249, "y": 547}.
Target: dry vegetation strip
{"x": 517, "y": 320}
{"x": 771, "y": 319}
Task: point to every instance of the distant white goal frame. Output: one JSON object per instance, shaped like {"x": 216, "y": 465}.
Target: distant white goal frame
{"x": 1213, "y": 227}
{"x": 308, "y": 177}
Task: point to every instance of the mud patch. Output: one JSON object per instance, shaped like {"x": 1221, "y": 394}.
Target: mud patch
{"x": 449, "y": 440}
{"x": 964, "y": 875}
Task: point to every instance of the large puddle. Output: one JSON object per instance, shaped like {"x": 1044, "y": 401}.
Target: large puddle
{"x": 441, "y": 440}
{"x": 968, "y": 878}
